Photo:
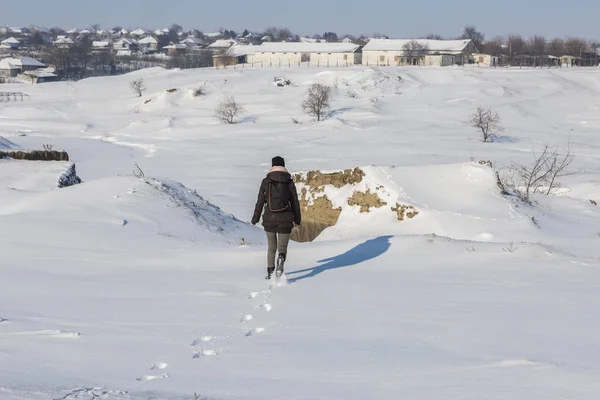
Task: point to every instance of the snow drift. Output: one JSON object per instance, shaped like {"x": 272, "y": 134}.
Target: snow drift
{"x": 36, "y": 176}
{"x": 138, "y": 208}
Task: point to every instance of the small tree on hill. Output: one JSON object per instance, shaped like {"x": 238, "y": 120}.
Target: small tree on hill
{"x": 138, "y": 86}
{"x": 229, "y": 110}
{"x": 487, "y": 121}
{"x": 317, "y": 100}
{"x": 542, "y": 176}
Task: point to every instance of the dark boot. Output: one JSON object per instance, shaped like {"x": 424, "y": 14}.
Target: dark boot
{"x": 269, "y": 273}
{"x": 280, "y": 261}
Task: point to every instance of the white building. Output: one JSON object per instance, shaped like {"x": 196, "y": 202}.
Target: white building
{"x": 8, "y": 69}
{"x": 11, "y": 67}
{"x": 11, "y": 42}
{"x": 123, "y": 44}
{"x": 138, "y": 33}
{"x": 485, "y": 59}
{"x": 176, "y": 48}
{"x": 100, "y": 45}
{"x": 323, "y": 54}
{"x": 222, "y": 45}
{"x": 63, "y": 41}
{"x": 386, "y": 52}
{"x": 148, "y": 43}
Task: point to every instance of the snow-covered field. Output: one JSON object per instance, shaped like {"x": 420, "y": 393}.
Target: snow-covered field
{"x": 130, "y": 288}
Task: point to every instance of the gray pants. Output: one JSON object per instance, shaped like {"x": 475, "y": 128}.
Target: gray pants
{"x": 277, "y": 242}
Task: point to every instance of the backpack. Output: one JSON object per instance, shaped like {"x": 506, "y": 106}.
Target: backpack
{"x": 278, "y": 196}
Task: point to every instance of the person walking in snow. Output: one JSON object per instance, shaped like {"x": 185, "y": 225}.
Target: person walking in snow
{"x": 278, "y": 198}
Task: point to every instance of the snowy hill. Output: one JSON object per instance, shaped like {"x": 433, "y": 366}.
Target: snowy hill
{"x": 424, "y": 281}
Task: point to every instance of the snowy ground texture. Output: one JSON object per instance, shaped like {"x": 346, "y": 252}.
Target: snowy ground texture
{"x": 128, "y": 287}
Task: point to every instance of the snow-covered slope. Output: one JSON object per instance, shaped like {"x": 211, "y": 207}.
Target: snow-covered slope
{"x": 129, "y": 288}
{"x": 6, "y": 144}
{"x": 32, "y": 175}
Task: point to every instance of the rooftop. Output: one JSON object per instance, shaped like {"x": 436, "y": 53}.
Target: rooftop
{"x": 294, "y": 47}
{"x": 432, "y": 45}
{"x": 18, "y": 63}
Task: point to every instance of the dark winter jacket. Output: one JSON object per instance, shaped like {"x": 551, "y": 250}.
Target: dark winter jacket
{"x": 280, "y": 222}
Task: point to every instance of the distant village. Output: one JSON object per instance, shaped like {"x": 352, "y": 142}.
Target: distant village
{"x": 38, "y": 55}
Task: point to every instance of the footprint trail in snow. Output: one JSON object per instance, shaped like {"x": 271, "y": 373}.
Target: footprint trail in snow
{"x": 202, "y": 345}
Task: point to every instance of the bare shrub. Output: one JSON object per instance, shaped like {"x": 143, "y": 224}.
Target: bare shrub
{"x": 510, "y": 247}
{"x": 229, "y": 111}
{"x": 139, "y": 86}
{"x": 487, "y": 121}
{"x": 138, "y": 172}
{"x": 317, "y": 101}
{"x": 199, "y": 91}
{"x": 542, "y": 176}
{"x": 48, "y": 147}
{"x": 352, "y": 93}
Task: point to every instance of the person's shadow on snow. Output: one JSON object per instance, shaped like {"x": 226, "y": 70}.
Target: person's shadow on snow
{"x": 368, "y": 250}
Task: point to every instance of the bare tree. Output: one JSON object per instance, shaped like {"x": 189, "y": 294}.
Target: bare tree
{"x": 544, "y": 175}
{"x": 516, "y": 45}
{"x": 537, "y": 45}
{"x": 434, "y": 36}
{"x": 414, "y": 48}
{"x": 317, "y": 100}
{"x": 176, "y": 27}
{"x": 229, "y": 110}
{"x": 494, "y": 47}
{"x": 472, "y": 33}
{"x": 54, "y": 32}
{"x": 331, "y": 37}
{"x": 487, "y": 121}
{"x": 139, "y": 86}
{"x": 558, "y": 164}
{"x": 278, "y": 34}
{"x": 575, "y": 46}
{"x": 556, "y": 47}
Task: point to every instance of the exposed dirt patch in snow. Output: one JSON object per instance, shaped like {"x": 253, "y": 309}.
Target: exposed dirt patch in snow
{"x": 366, "y": 201}
{"x": 403, "y": 210}
{"x": 317, "y": 179}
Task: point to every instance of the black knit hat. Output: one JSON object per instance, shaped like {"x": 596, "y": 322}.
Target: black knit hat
{"x": 278, "y": 162}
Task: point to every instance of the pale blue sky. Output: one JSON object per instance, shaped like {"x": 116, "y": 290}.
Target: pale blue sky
{"x": 394, "y": 18}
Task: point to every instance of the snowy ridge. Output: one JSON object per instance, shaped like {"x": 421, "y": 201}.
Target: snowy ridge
{"x": 456, "y": 201}
{"x": 207, "y": 215}
{"x": 6, "y": 144}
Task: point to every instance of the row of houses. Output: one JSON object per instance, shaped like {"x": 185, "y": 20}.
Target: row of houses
{"x": 377, "y": 52}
